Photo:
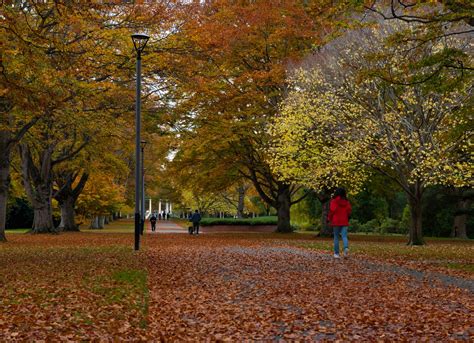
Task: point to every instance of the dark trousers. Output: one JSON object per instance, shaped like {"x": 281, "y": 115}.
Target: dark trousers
{"x": 153, "y": 226}
{"x": 196, "y": 228}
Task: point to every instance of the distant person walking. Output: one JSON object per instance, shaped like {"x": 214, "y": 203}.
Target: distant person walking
{"x": 153, "y": 223}
{"x": 339, "y": 212}
{"x": 195, "y": 219}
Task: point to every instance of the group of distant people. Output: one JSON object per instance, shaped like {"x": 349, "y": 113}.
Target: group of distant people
{"x": 158, "y": 216}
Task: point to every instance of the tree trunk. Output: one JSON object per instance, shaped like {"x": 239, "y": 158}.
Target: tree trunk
{"x": 43, "y": 219}
{"x": 326, "y": 229}
{"x": 4, "y": 185}
{"x": 5, "y": 150}
{"x": 416, "y": 231}
{"x": 460, "y": 219}
{"x": 8, "y": 139}
{"x": 101, "y": 222}
{"x": 95, "y": 223}
{"x": 283, "y": 209}
{"x": 68, "y": 215}
{"x": 241, "y": 203}
{"x": 3, "y": 214}
{"x": 66, "y": 195}
{"x": 39, "y": 188}
{"x": 106, "y": 220}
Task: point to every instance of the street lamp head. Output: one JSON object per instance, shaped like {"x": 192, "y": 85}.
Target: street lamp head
{"x": 139, "y": 41}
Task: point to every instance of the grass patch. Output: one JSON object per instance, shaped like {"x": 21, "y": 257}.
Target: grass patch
{"x": 126, "y": 287}
{"x": 132, "y": 277}
{"x": 117, "y": 226}
{"x": 460, "y": 266}
{"x": 447, "y": 253}
{"x": 8, "y": 231}
{"x": 270, "y": 220}
{"x": 184, "y": 223}
{"x": 136, "y": 280}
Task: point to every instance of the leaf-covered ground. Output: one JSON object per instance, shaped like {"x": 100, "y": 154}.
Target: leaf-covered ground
{"x": 74, "y": 286}
{"x": 224, "y": 287}
{"x": 93, "y": 286}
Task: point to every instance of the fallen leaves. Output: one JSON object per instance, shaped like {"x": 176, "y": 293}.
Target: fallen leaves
{"x": 223, "y": 287}
{"x": 64, "y": 287}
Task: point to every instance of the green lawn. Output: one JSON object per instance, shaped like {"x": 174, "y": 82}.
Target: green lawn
{"x": 117, "y": 226}
{"x": 17, "y": 231}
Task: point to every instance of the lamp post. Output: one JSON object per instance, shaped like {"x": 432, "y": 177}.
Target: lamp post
{"x": 139, "y": 42}
{"x": 142, "y": 228}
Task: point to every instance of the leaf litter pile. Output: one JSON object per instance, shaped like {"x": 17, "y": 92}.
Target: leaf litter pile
{"x": 219, "y": 287}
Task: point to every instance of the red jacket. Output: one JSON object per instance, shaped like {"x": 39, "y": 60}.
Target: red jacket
{"x": 339, "y": 212}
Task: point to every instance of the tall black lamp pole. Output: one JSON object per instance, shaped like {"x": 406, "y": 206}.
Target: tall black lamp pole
{"x": 139, "y": 42}
{"x": 143, "y": 207}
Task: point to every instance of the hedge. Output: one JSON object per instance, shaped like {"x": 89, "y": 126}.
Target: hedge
{"x": 271, "y": 220}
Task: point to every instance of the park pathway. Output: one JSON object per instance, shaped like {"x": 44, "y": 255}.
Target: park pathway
{"x": 238, "y": 288}
{"x": 165, "y": 226}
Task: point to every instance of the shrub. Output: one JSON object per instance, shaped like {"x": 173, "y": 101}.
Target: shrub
{"x": 354, "y": 225}
{"x": 305, "y": 226}
{"x": 370, "y": 226}
{"x": 295, "y": 227}
{"x": 406, "y": 219}
{"x": 270, "y": 220}
{"x": 389, "y": 225}
{"x": 19, "y": 214}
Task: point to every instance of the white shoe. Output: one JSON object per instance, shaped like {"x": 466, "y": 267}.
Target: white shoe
{"x": 346, "y": 252}
{"x": 337, "y": 256}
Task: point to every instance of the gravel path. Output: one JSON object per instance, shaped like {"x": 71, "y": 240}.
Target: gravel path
{"x": 222, "y": 288}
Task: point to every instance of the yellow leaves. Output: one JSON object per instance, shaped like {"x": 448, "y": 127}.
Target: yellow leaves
{"x": 307, "y": 136}
{"x": 101, "y": 195}
{"x": 342, "y": 116}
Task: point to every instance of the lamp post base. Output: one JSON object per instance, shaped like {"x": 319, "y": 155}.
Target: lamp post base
{"x": 137, "y": 231}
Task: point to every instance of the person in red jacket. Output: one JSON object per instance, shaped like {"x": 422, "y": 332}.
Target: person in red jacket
{"x": 339, "y": 212}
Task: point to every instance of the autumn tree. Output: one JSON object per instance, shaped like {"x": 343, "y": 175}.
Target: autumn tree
{"x": 425, "y": 12}
{"x": 404, "y": 131}
{"x": 38, "y": 158}
{"x": 434, "y": 20}
{"x": 101, "y": 196}
{"x": 82, "y": 77}
{"x": 21, "y": 91}
{"x": 229, "y": 66}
